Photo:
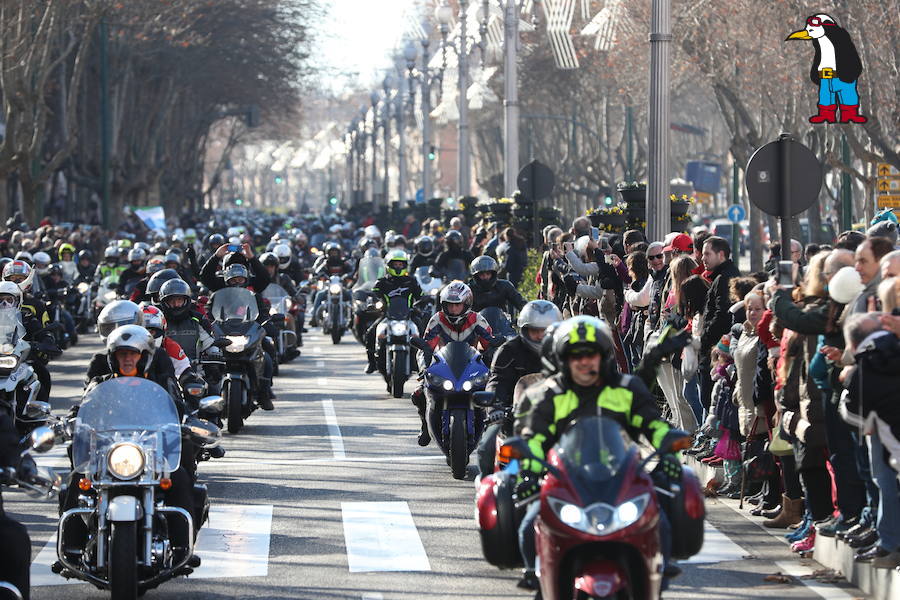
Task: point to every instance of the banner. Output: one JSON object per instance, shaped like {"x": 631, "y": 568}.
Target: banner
{"x": 154, "y": 217}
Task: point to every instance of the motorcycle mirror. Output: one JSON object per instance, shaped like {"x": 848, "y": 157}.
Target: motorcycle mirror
{"x": 44, "y": 484}
{"x": 674, "y": 441}
{"x": 203, "y": 432}
{"x": 515, "y": 448}
{"x": 483, "y": 399}
{"x": 212, "y": 404}
{"x": 42, "y": 439}
{"x": 35, "y": 409}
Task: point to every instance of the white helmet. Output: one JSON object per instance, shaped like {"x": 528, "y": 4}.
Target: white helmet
{"x": 42, "y": 262}
{"x": 283, "y": 253}
{"x": 539, "y": 314}
{"x": 456, "y": 292}
{"x": 118, "y": 313}
{"x": 8, "y": 288}
{"x": 130, "y": 337}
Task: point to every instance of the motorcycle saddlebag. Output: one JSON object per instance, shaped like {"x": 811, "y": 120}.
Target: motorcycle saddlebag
{"x": 687, "y": 515}
{"x": 498, "y": 520}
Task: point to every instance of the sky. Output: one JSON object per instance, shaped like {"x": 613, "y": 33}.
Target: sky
{"x": 358, "y": 35}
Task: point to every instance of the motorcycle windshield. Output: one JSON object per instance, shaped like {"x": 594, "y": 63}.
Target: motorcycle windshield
{"x": 233, "y": 303}
{"x": 370, "y": 270}
{"x": 497, "y": 319}
{"x": 423, "y": 276}
{"x": 127, "y": 410}
{"x": 594, "y": 451}
{"x": 457, "y": 355}
{"x": 11, "y": 329}
{"x": 456, "y": 269}
{"x": 398, "y": 309}
{"x": 278, "y": 298}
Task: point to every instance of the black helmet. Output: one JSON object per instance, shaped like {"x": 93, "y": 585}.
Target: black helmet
{"x": 85, "y": 254}
{"x": 234, "y": 258}
{"x": 215, "y": 240}
{"x": 235, "y": 270}
{"x": 158, "y": 279}
{"x": 425, "y": 245}
{"x": 453, "y": 239}
{"x": 268, "y": 259}
{"x": 170, "y": 290}
{"x": 586, "y": 333}
{"x": 483, "y": 264}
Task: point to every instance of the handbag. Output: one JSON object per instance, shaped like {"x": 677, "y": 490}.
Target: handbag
{"x": 762, "y": 466}
{"x": 690, "y": 362}
{"x": 779, "y": 446}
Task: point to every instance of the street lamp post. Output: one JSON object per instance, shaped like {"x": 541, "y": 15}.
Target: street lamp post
{"x": 658, "y": 219}
{"x": 425, "y": 79}
{"x": 386, "y": 120}
{"x": 400, "y": 113}
{"x": 510, "y": 97}
{"x": 444, "y": 15}
{"x": 373, "y": 98}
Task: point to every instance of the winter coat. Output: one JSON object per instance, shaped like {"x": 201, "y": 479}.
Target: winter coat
{"x": 745, "y": 355}
{"x": 716, "y": 317}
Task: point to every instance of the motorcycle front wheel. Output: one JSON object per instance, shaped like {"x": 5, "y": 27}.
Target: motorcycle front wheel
{"x": 233, "y": 394}
{"x": 398, "y": 376}
{"x": 456, "y": 449}
{"x": 123, "y": 571}
{"x": 336, "y": 332}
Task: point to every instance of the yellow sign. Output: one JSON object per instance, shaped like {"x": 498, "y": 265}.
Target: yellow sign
{"x": 887, "y": 171}
{"x": 887, "y": 186}
{"x": 888, "y": 201}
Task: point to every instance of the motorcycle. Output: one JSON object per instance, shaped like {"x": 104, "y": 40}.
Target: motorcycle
{"x": 235, "y": 312}
{"x": 431, "y": 289}
{"x": 55, "y": 300}
{"x": 395, "y": 358}
{"x": 281, "y": 312}
{"x": 501, "y": 327}
{"x": 597, "y": 532}
{"x": 105, "y": 293}
{"x": 80, "y": 304}
{"x": 456, "y": 422}
{"x": 19, "y": 384}
{"x": 127, "y": 441}
{"x": 335, "y": 310}
{"x": 367, "y": 307}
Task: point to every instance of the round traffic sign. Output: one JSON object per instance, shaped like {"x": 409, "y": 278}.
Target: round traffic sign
{"x": 736, "y": 213}
{"x": 536, "y": 181}
{"x": 764, "y": 177}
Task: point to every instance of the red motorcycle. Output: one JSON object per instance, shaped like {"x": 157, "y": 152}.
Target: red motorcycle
{"x": 597, "y": 532}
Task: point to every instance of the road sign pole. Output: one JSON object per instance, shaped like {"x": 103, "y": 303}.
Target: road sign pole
{"x": 846, "y": 191}
{"x": 784, "y": 195}
{"x": 736, "y": 226}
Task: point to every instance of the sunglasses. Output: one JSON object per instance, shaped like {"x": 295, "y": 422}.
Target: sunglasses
{"x": 816, "y": 22}
{"x": 585, "y": 353}
{"x": 655, "y": 256}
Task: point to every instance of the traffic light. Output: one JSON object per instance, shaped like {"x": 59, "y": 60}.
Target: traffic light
{"x": 608, "y": 200}
{"x": 332, "y": 200}
{"x": 238, "y": 201}
{"x": 279, "y": 179}
{"x": 431, "y": 153}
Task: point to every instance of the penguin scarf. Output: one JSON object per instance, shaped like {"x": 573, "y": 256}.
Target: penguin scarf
{"x": 835, "y": 70}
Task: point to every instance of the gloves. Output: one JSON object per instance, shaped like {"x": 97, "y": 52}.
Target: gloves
{"x": 673, "y": 344}
{"x": 496, "y": 416}
{"x": 527, "y": 487}
{"x": 670, "y": 467}
{"x": 571, "y": 284}
{"x": 26, "y": 469}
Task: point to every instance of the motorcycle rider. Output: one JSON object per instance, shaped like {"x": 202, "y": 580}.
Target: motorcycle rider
{"x": 588, "y": 383}
{"x": 287, "y": 264}
{"x": 135, "y": 271}
{"x": 86, "y": 269}
{"x": 54, "y": 289}
{"x": 516, "y": 358}
{"x": 333, "y": 263}
{"x": 186, "y": 325}
{"x": 454, "y": 322}
{"x": 15, "y": 566}
{"x": 490, "y": 291}
{"x": 110, "y": 266}
{"x": 425, "y": 255}
{"x": 258, "y": 277}
{"x": 237, "y": 275}
{"x": 455, "y": 250}
{"x": 66, "y": 254}
{"x": 397, "y": 283}
{"x": 130, "y": 353}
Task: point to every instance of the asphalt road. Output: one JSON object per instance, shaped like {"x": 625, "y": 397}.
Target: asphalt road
{"x": 329, "y": 496}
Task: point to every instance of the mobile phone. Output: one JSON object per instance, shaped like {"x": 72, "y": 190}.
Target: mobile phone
{"x": 595, "y": 233}
{"x": 568, "y": 246}
{"x": 234, "y": 247}
{"x": 786, "y": 273}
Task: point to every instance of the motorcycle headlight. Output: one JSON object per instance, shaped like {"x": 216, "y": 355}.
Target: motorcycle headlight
{"x": 398, "y": 328}
{"x": 434, "y": 292}
{"x": 448, "y": 385}
{"x": 125, "y": 461}
{"x": 238, "y": 343}
{"x": 600, "y": 519}
{"x": 9, "y": 362}
{"x": 83, "y": 288}
{"x": 467, "y": 386}
{"x": 379, "y": 305}
{"x": 334, "y": 288}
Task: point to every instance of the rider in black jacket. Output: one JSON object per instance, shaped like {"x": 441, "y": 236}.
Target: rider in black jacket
{"x": 490, "y": 291}
{"x": 398, "y": 282}
{"x": 454, "y": 243}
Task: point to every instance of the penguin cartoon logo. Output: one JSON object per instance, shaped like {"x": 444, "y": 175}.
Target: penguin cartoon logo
{"x": 835, "y": 70}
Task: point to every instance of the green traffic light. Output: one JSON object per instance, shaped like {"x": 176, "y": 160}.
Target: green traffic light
{"x": 278, "y": 179}
{"x": 332, "y": 200}
{"x": 431, "y": 153}
{"x": 238, "y": 201}
{"x": 608, "y": 200}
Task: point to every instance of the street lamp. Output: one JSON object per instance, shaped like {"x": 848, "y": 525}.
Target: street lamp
{"x": 386, "y": 85}
{"x": 425, "y": 78}
{"x": 444, "y": 16}
{"x": 658, "y": 208}
{"x": 373, "y": 99}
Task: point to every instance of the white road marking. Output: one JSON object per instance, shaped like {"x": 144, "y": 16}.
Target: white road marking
{"x": 317, "y": 349}
{"x": 334, "y": 432}
{"x": 57, "y": 458}
{"x": 381, "y": 536}
{"x": 372, "y": 596}
{"x": 233, "y": 543}
{"x": 825, "y": 590}
{"x": 320, "y": 364}
{"x": 256, "y": 463}
{"x": 322, "y": 382}
{"x": 717, "y": 547}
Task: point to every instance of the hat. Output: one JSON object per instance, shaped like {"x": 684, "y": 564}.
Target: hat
{"x": 886, "y": 229}
{"x": 724, "y": 345}
{"x": 682, "y": 242}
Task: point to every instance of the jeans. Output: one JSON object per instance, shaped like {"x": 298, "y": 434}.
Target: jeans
{"x": 486, "y": 450}
{"x": 834, "y": 91}
{"x": 851, "y": 491}
{"x": 706, "y": 383}
{"x": 692, "y": 395}
{"x": 888, "y": 524}
{"x": 321, "y": 295}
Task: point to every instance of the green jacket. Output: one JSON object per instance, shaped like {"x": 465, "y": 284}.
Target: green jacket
{"x": 553, "y": 405}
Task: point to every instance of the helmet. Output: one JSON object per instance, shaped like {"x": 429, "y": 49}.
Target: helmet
{"x": 125, "y": 243}
{"x": 158, "y": 279}
{"x": 190, "y": 235}
{"x": 268, "y": 259}
{"x": 425, "y": 245}
{"x": 21, "y": 271}
{"x": 334, "y": 228}
{"x": 483, "y": 264}
{"x": 85, "y": 254}
{"x": 586, "y": 333}
{"x": 169, "y": 292}
{"x": 235, "y": 270}
{"x": 143, "y": 246}
{"x": 137, "y": 254}
{"x": 64, "y": 248}
{"x": 118, "y": 313}
{"x": 453, "y": 238}
{"x": 389, "y": 236}
{"x": 539, "y": 314}
{"x": 158, "y": 248}
{"x": 215, "y": 240}
{"x": 155, "y": 265}
{"x": 54, "y": 269}
{"x": 130, "y": 337}
{"x": 283, "y": 252}
{"x": 329, "y": 246}
{"x": 111, "y": 254}
{"x": 300, "y": 238}
{"x": 456, "y": 292}
{"x": 397, "y": 255}
{"x": 41, "y": 262}
{"x": 8, "y": 288}
{"x": 400, "y": 240}
{"x": 172, "y": 257}
{"x": 372, "y": 232}
{"x": 154, "y": 322}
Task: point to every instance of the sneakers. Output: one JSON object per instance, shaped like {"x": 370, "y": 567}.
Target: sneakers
{"x": 805, "y": 526}
{"x": 834, "y": 526}
{"x": 806, "y": 544}
{"x": 529, "y": 581}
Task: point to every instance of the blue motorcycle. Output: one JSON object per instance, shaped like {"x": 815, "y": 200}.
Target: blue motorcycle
{"x": 455, "y": 419}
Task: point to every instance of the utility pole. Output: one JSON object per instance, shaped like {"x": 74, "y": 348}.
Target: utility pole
{"x": 400, "y": 108}
{"x": 658, "y": 209}
{"x": 510, "y": 96}
{"x": 105, "y": 127}
{"x": 463, "y": 176}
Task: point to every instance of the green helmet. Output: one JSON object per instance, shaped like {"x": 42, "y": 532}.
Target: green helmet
{"x": 590, "y": 334}
{"x": 395, "y": 256}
